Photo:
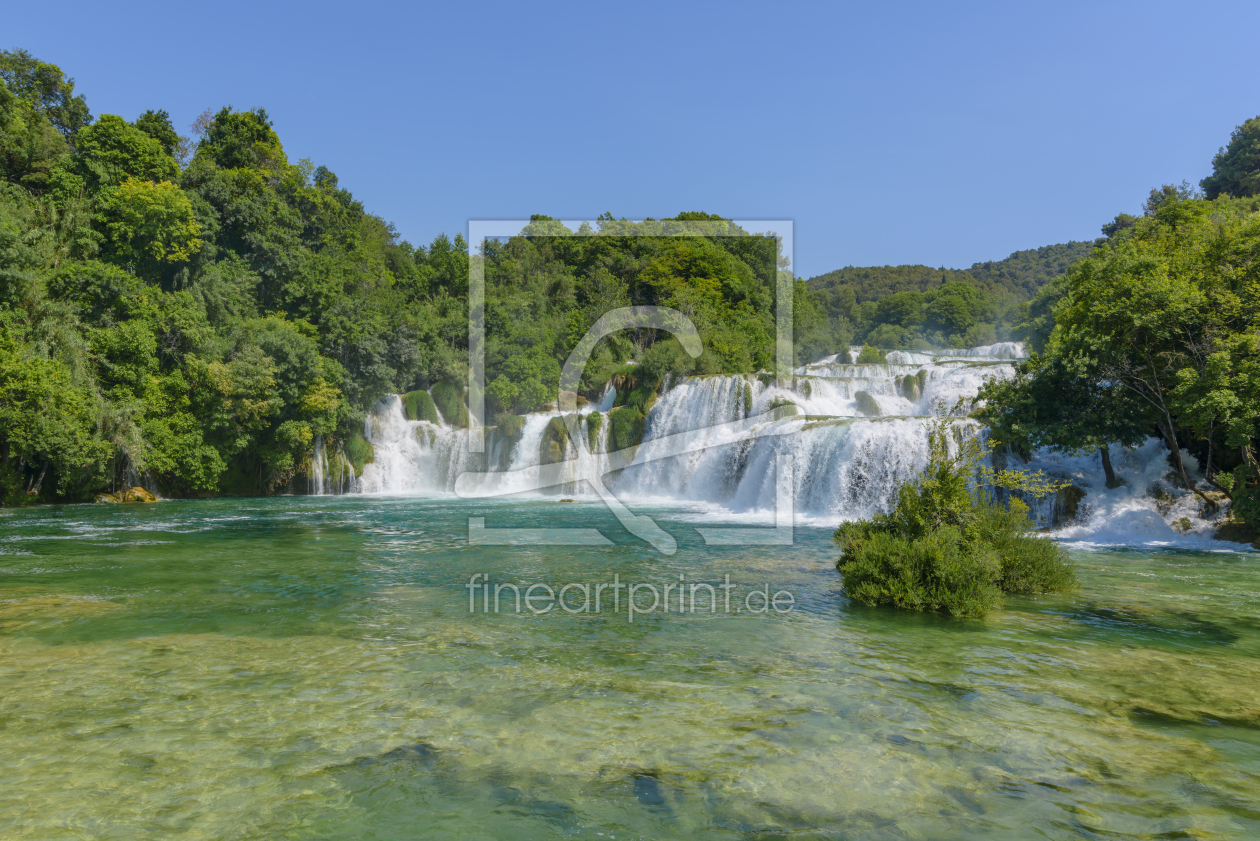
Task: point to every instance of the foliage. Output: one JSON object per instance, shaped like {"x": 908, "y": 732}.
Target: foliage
{"x": 870, "y": 356}
{"x": 1023, "y": 273}
{"x": 917, "y": 307}
{"x": 950, "y": 543}
{"x": 46, "y": 88}
{"x": 1236, "y": 167}
{"x": 1154, "y": 331}
{"x": 419, "y": 406}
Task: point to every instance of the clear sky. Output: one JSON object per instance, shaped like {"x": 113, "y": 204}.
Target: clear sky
{"x": 889, "y": 132}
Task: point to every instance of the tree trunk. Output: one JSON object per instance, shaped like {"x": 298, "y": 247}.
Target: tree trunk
{"x": 34, "y": 491}
{"x": 1170, "y": 437}
{"x": 1112, "y": 480}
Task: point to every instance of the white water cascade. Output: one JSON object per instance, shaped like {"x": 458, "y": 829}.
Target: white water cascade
{"x": 330, "y": 474}
{"x": 853, "y": 433}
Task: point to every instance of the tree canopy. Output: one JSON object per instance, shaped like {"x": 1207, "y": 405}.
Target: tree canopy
{"x": 1236, "y": 167}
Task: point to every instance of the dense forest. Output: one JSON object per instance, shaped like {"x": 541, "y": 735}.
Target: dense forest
{"x": 199, "y": 310}
{"x": 918, "y": 307}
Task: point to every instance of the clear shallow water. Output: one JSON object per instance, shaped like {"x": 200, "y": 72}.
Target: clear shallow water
{"x": 308, "y": 668}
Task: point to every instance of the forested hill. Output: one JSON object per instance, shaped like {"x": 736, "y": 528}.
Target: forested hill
{"x": 1020, "y": 274}
{"x": 918, "y": 307}
{"x": 1025, "y": 272}
{"x": 199, "y": 312}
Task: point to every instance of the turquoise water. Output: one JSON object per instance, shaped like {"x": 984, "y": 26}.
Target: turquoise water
{"x": 308, "y": 668}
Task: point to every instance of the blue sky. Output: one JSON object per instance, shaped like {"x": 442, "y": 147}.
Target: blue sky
{"x": 889, "y": 133}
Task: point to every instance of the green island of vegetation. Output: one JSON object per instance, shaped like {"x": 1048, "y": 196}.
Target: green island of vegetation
{"x": 956, "y": 538}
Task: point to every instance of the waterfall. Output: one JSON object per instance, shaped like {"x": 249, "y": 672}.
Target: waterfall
{"x": 410, "y": 457}
{"x": 853, "y": 432}
{"x": 330, "y": 474}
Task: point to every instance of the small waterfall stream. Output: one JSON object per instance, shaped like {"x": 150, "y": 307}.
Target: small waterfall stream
{"x": 330, "y": 474}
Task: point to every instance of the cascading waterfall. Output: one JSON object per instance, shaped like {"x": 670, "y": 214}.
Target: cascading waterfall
{"x": 853, "y": 432}
{"x": 330, "y": 474}
{"x": 410, "y": 457}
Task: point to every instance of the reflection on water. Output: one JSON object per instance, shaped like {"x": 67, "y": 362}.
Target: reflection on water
{"x": 308, "y": 668}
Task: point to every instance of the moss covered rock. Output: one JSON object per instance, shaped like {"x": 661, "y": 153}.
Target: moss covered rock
{"x": 358, "y": 452}
{"x": 555, "y": 442}
{"x": 1236, "y": 533}
{"x": 1067, "y": 503}
{"x": 625, "y": 428}
{"x": 511, "y": 426}
{"x": 909, "y": 387}
{"x": 867, "y": 405}
{"x": 419, "y": 406}
{"x": 136, "y": 494}
{"x": 594, "y": 423}
{"x": 449, "y": 399}
{"x": 748, "y": 399}
{"x": 784, "y": 408}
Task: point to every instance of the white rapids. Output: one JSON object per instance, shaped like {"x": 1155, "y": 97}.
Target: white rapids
{"x": 852, "y": 433}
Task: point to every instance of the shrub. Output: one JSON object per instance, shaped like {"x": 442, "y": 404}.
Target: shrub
{"x": 449, "y": 400}
{"x": 936, "y": 572}
{"x": 870, "y": 356}
{"x": 420, "y": 407}
{"x": 948, "y": 544}
{"x": 641, "y": 399}
{"x": 358, "y": 451}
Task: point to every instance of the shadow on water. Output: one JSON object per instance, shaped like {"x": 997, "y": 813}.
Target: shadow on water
{"x": 431, "y": 781}
{"x": 1175, "y": 626}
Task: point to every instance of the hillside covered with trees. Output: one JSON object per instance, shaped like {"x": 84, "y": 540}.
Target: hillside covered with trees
{"x": 918, "y": 307}
{"x": 199, "y": 310}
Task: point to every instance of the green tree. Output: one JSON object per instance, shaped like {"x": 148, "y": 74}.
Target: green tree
{"x": 1236, "y": 167}
{"x": 112, "y": 150}
{"x": 157, "y": 124}
{"x": 46, "y": 88}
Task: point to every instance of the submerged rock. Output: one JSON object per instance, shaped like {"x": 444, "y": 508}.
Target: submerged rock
{"x": 1236, "y": 533}
{"x": 136, "y": 494}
